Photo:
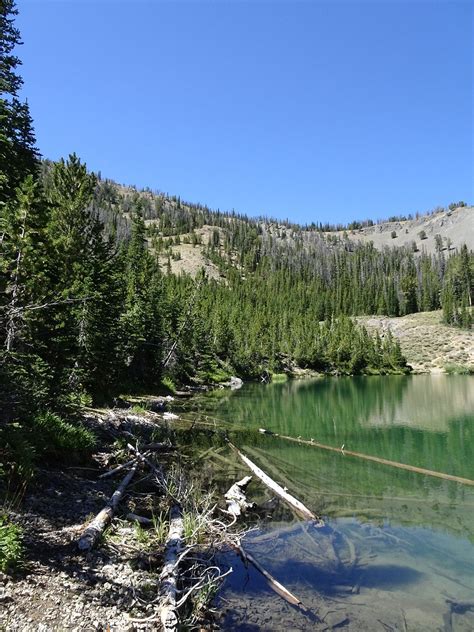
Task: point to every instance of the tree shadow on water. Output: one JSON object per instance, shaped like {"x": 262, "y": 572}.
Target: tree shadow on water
{"x": 298, "y": 575}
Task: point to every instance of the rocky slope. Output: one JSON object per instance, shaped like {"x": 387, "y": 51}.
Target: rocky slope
{"x": 454, "y": 227}
{"x": 428, "y": 345}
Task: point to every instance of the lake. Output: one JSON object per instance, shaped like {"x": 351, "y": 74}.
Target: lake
{"x": 397, "y": 549}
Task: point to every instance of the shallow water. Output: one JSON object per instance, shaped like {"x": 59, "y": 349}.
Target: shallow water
{"x": 397, "y": 551}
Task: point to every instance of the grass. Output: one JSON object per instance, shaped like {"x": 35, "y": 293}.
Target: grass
{"x": 195, "y": 527}
{"x": 160, "y": 525}
{"x": 142, "y": 536}
{"x": 278, "y": 378}
{"x": 11, "y": 545}
{"x": 138, "y": 409}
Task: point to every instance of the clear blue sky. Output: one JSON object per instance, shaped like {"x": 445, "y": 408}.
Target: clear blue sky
{"x": 324, "y": 111}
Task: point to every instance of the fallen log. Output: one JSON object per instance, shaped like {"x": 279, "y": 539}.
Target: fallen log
{"x": 270, "y": 466}
{"x": 155, "y": 469}
{"x": 96, "y": 527}
{"x": 157, "y": 447}
{"x": 118, "y": 468}
{"x": 169, "y": 574}
{"x": 291, "y": 501}
{"x": 375, "y": 459}
{"x": 272, "y": 582}
{"x": 236, "y": 499}
{"x": 140, "y": 519}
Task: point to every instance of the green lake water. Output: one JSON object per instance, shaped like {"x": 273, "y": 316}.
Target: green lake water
{"x": 397, "y": 551}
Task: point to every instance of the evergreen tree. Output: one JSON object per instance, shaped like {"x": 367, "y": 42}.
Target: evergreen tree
{"x": 18, "y": 155}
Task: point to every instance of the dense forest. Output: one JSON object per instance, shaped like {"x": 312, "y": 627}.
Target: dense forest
{"x": 87, "y": 311}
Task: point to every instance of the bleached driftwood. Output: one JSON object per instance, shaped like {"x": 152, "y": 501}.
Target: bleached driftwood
{"x": 95, "y": 528}
{"x": 293, "y": 502}
{"x": 236, "y": 499}
{"x": 170, "y": 573}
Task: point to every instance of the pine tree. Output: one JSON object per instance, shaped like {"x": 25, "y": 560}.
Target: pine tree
{"x": 18, "y": 155}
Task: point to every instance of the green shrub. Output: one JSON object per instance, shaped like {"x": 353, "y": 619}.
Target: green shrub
{"x": 60, "y": 438}
{"x": 139, "y": 409}
{"x": 11, "y": 546}
{"x": 215, "y": 375}
{"x": 279, "y": 377}
{"x": 168, "y": 383}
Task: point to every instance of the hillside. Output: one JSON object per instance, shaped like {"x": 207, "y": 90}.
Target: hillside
{"x": 428, "y": 345}
{"x": 455, "y": 227}
{"x": 180, "y": 232}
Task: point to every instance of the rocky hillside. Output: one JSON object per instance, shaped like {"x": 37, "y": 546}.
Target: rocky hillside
{"x": 180, "y": 232}
{"x": 445, "y": 230}
{"x": 428, "y": 345}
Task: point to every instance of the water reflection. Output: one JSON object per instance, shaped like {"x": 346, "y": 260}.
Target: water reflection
{"x": 413, "y": 535}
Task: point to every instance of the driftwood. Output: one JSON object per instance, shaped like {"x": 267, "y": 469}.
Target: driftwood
{"x": 375, "y": 459}
{"x": 272, "y": 582}
{"x": 291, "y": 501}
{"x": 270, "y": 467}
{"x": 95, "y": 528}
{"x": 236, "y": 499}
{"x": 118, "y": 468}
{"x": 158, "y": 447}
{"x": 140, "y": 519}
{"x": 155, "y": 469}
{"x": 169, "y": 574}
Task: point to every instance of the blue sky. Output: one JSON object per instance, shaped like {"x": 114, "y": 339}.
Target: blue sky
{"x": 315, "y": 111}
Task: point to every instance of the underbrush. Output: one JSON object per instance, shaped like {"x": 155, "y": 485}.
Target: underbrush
{"x": 45, "y": 436}
{"x": 62, "y": 439}
{"x": 11, "y": 545}
{"x": 169, "y": 385}
{"x": 214, "y": 376}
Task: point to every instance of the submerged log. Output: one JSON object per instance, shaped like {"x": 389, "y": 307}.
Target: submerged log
{"x": 169, "y": 574}
{"x": 236, "y": 499}
{"x": 272, "y": 582}
{"x": 291, "y": 501}
{"x": 375, "y": 459}
{"x": 96, "y": 527}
